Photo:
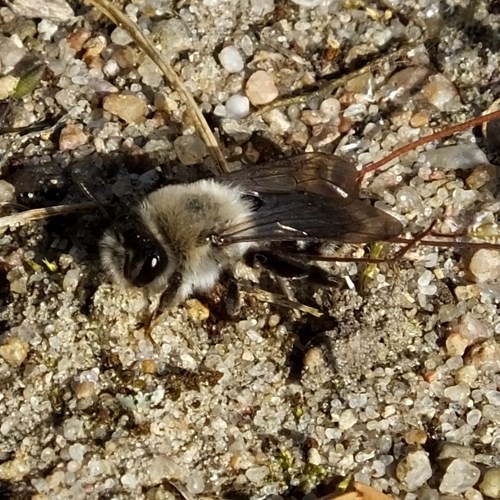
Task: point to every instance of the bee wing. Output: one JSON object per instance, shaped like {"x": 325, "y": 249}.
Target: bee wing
{"x": 310, "y": 198}
{"x": 319, "y": 173}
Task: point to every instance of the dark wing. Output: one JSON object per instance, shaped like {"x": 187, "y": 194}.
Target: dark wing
{"x": 308, "y": 198}
{"x": 318, "y": 173}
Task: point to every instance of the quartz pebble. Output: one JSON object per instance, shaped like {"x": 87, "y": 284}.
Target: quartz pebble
{"x": 467, "y": 331}
{"x": 455, "y": 344}
{"x": 11, "y": 51}
{"x": 8, "y": 84}
{"x": 485, "y": 265}
{"x": 231, "y": 59}
{"x": 7, "y": 192}
{"x": 257, "y": 474}
{"x": 452, "y": 450}
{"x": 457, "y": 393}
{"x": 260, "y": 88}
{"x": 485, "y": 356}
{"x": 467, "y": 374}
{"x": 14, "y": 350}
{"x": 172, "y": 36}
{"x": 310, "y": 4}
{"x": 490, "y": 485}
{"x": 190, "y": 149}
{"x": 414, "y": 470}
{"x": 195, "y": 483}
{"x": 163, "y": 467}
{"x": 130, "y": 108}
{"x": 441, "y": 93}
{"x": 120, "y": 37}
{"x": 347, "y": 419}
{"x": 460, "y": 156}
{"x": 55, "y": 10}
{"x": 71, "y": 137}
{"x": 13, "y": 470}
{"x": 460, "y": 475}
{"x": 237, "y": 106}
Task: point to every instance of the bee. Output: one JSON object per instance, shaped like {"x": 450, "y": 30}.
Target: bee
{"x": 183, "y": 239}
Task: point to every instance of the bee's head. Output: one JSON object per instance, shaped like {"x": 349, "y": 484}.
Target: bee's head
{"x": 132, "y": 254}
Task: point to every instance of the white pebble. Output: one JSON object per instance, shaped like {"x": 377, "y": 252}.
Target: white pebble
{"x": 310, "y": 4}
{"x": 231, "y": 59}
{"x": 485, "y": 265}
{"x": 237, "y": 106}
{"x": 347, "y": 419}
{"x": 257, "y": 474}
{"x": 195, "y": 483}
{"x": 474, "y": 417}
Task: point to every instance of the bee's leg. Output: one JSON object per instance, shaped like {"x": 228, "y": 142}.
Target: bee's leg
{"x": 166, "y": 300}
{"x": 291, "y": 268}
{"x": 231, "y": 298}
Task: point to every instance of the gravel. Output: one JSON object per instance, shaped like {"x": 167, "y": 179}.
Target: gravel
{"x": 397, "y": 384}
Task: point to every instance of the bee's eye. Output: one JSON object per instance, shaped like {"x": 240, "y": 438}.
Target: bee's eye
{"x": 147, "y": 268}
{"x": 145, "y": 257}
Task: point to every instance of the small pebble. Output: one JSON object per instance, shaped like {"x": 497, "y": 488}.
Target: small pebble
{"x": 485, "y": 265}
{"x": 485, "y": 356}
{"x": 474, "y": 417}
{"x": 84, "y": 389}
{"x": 419, "y": 119}
{"x": 13, "y": 470}
{"x": 128, "y": 107}
{"x": 490, "y": 485}
{"x": 119, "y": 36}
{"x": 190, "y": 149}
{"x": 460, "y": 475}
{"x": 310, "y": 4}
{"x": 257, "y": 474}
{"x": 416, "y": 436}
{"x": 493, "y": 397}
{"x": 7, "y": 192}
{"x": 162, "y": 467}
{"x": 231, "y": 59}
{"x": 466, "y": 374}
{"x": 458, "y": 157}
{"x": 172, "y": 36}
{"x": 76, "y": 40}
{"x": 469, "y": 330}
{"x": 72, "y": 428}
{"x": 441, "y": 93}
{"x": 313, "y": 359}
{"x": 197, "y": 310}
{"x": 195, "y": 483}
{"x": 457, "y": 393}
{"x": 455, "y": 344}
{"x": 347, "y": 420}
{"x": 72, "y": 137}
{"x": 11, "y": 52}
{"x": 71, "y": 280}
{"x": 55, "y": 10}
{"x": 466, "y": 292}
{"x": 14, "y": 350}
{"x": 260, "y": 88}
{"x": 414, "y": 470}
{"x": 481, "y": 175}
{"x": 8, "y": 84}
{"x": 237, "y": 106}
